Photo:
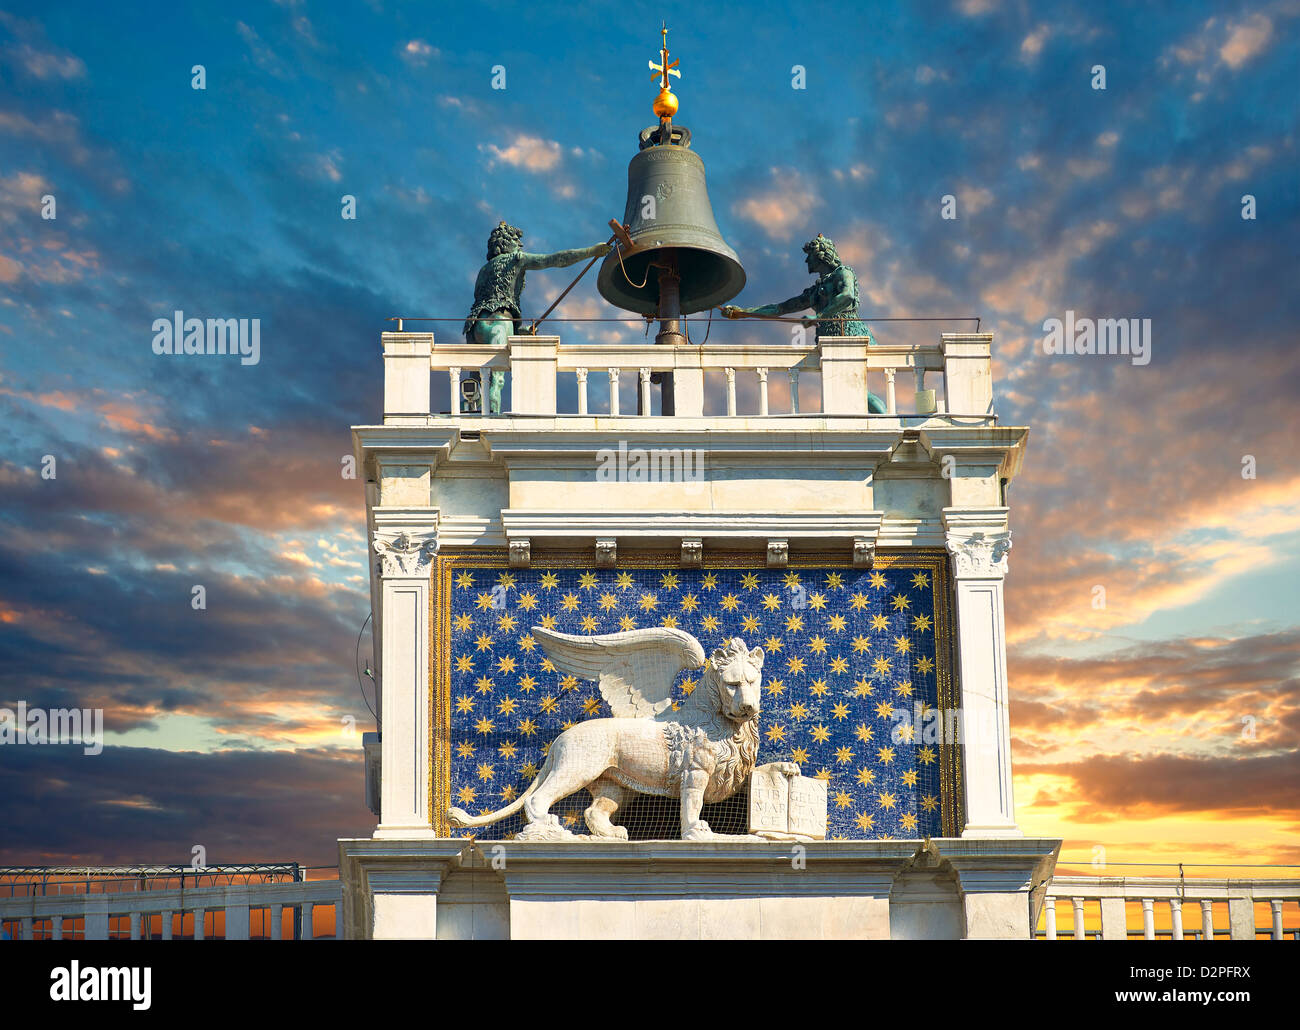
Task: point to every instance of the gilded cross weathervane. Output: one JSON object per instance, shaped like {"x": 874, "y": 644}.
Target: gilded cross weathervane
{"x": 665, "y": 105}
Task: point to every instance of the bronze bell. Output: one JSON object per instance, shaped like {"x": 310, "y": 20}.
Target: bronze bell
{"x": 676, "y": 246}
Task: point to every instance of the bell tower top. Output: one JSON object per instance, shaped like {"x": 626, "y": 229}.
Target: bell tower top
{"x": 665, "y": 105}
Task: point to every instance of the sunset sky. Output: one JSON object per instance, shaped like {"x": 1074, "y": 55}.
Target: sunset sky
{"x": 1162, "y": 727}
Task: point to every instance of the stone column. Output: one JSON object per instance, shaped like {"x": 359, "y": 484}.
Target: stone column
{"x": 405, "y": 554}
{"x": 978, "y": 540}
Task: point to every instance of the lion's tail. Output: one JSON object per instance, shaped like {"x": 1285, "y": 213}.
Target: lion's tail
{"x": 459, "y": 817}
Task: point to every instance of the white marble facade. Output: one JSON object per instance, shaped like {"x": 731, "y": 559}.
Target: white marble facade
{"x": 838, "y": 480}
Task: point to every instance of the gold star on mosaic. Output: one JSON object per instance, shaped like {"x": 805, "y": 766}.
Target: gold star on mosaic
{"x": 465, "y": 749}
{"x": 834, "y": 581}
{"x": 861, "y": 644}
{"x": 792, "y": 579}
{"x": 860, "y": 602}
{"x": 819, "y": 687}
{"x": 816, "y": 644}
{"x": 773, "y": 644}
{"x": 866, "y": 776}
{"x": 821, "y": 734}
{"x": 591, "y": 705}
{"x": 878, "y": 580}
{"x": 798, "y": 710}
{"x": 587, "y": 581}
{"x": 570, "y": 602}
{"x": 775, "y": 686}
{"x": 863, "y": 688}
{"x": 668, "y": 581}
{"x": 879, "y": 622}
{"x": 794, "y": 623}
{"x": 507, "y": 750}
{"x": 881, "y": 666}
{"x": 816, "y": 602}
{"x": 887, "y": 800}
{"x": 466, "y": 795}
{"x": 627, "y": 622}
{"x": 904, "y": 689}
{"x": 929, "y": 802}
{"x": 837, "y": 623}
{"x": 884, "y": 709}
{"x": 799, "y": 754}
{"x": 623, "y": 580}
{"x": 528, "y": 727}
{"x": 749, "y": 581}
{"x": 507, "y": 622}
{"x": 900, "y": 602}
{"x": 864, "y": 732}
{"x": 841, "y": 710}
{"x": 926, "y": 755}
{"x": 464, "y": 703}
{"x": 844, "y": 754}
{"x": 709, "y": 581}
{"x": 589, "y": 624}
{"x": 484, "y": 725}
{"x": 548, "y": 622}
{"x": 750, "y": 622}
{"x": 483, "y": 602}
{"x": 484, "y": 685}
{"x": 506, "y": 664}
{"x": 843, "y": 800}
{"x": 776, "y": 733}
{"x": 690, "y": 602}
{"x": 771, "y": 602}
{"x": 669, "y": 621}
{"x": 506, "y": 580}
{"x": 920, "y": 579}
{"x": 839, "y": 665}
{"x": 865, "y": 821}
{"x": 921, "y": 623}
{"x": 730, "y": 603}
{"x": 464, "y": 663}
{"x": 689, "y": 685}
{"x": 886, "y": 755}
{"x": 909, "y": 778}
{"x": 526, "y": 642}
{"x": 548, "y": 704}
{"x": 924, "y": 664}
{"x": 507, "y": 706}
{"x": 465, "y": 580}
{"x": 902, "y": 645}
{"x": 527, "y": 601}
{"x": 906, "y": 733}
{"x": 648, "y": 602}
{"x": 795, "y": 664}
{"x": 823, "y": 774}
{"x": 550, "y": 580}
{"x": 463, "y": 622}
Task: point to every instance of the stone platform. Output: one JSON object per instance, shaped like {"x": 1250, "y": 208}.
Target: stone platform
{"x": 456, "y": 889}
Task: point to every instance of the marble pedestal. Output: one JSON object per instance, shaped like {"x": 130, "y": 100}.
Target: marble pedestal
{"x": 456, "y": 889}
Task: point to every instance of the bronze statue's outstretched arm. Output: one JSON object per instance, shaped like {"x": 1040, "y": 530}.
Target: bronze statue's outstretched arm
{"x": 799, "y": 303}
{"x": 563, "y": 258}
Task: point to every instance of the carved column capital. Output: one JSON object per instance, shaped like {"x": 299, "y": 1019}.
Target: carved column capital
{"x": 978, "y": 540}
{"x": 979, "y": 553}
{"x": 405, "y": 553}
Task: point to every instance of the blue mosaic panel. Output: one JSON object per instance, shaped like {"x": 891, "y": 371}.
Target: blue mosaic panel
{"x": 851, "y": 664}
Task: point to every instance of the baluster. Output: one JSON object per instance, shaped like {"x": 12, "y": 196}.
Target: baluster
{"x": 731, "y": 390}
{"x": 199, "y": 930}
{"x": 167, "y": 917}
{"x": 453, "y": 383}
{"x": 1049, "y": 911}
{"x": 1276, "y": 907}
{"x": 1207, "y": 918}
{"x": 134, "y": 920}
{"x": 762, "y": 391}
{"x": 1176, "y": 917}
{"x": 1079, "y": 934}
{"x": 308, "y": 929}
{"x": 277, "y": 922}
{"x": 794, "y": 391}
{"x": 582, "y": 391}
{"x": 891, "y": 402}
{"x": 25, "y": 928}
{"x": 643, "y": 408}
{"x": 56, "y": 928}
{"x": 613, "y": 391}
{"x": 1148, "y": 919}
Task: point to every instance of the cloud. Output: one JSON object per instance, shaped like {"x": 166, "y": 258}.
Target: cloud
{"x": 418, "y": 52}
{"x": 781, "y": 209}
{"x": 530, "y": 153}
{"x": 1246, "y": 40}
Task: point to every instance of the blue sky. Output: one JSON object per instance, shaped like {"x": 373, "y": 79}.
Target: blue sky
{"x": 226, "y": 202}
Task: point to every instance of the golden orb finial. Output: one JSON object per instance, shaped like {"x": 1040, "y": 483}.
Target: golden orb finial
{"x": 665, "y": 105}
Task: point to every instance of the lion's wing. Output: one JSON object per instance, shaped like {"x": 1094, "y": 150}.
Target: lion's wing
{"x": 635, "y": 670}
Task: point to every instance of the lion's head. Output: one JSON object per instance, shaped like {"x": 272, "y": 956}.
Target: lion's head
{"x": 736, "y": 676}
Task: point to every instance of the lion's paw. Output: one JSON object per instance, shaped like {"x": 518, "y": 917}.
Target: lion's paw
{"x": 788, "y": 768}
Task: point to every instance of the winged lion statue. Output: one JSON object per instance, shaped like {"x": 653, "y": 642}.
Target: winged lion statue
{"x": 702, "y": 751}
